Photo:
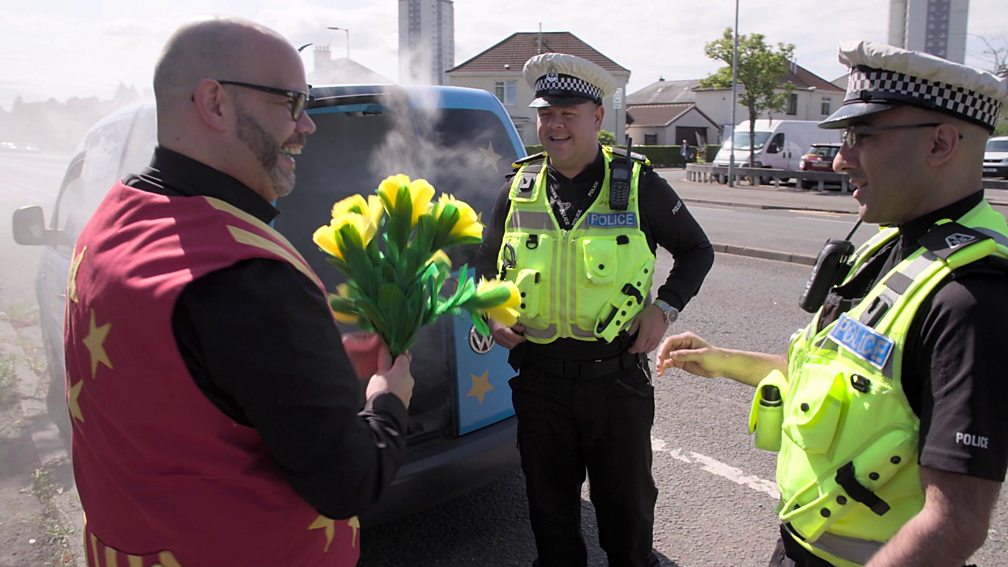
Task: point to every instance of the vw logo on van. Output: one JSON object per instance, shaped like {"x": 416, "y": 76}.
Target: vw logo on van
{"x": 478, "y": 343}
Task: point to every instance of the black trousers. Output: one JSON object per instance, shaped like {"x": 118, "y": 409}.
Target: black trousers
{"x": 602, "y": 426}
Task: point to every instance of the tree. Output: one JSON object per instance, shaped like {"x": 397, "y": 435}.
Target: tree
{"x": 606, "y": 138}
{"x": 759, "y": 69}
{"x": 996, "y": 56}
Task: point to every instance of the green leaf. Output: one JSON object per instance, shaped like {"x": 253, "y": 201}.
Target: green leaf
{"x": 479, "y": 322}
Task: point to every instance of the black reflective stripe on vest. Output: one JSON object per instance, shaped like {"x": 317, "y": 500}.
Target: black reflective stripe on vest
{"x": 946, "y": 239}
{"x": 846, "y": 479}
{"x": 528, "y": 178}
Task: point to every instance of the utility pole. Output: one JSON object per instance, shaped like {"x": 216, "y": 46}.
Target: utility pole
{"x": 348, "y": 36}
{"x": 734, "y": 90}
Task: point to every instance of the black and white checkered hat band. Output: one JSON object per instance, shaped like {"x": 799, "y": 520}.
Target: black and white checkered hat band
{"x": 876, "y": 85}
{"x": 556, "y": 84}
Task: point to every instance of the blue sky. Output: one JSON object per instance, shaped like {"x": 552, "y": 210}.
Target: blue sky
{"x": 63, "y": 48}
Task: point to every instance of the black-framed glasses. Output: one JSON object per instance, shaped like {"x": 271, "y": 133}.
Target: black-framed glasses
{"x": 851, "y": 135}
{"x": 298, "y": 99}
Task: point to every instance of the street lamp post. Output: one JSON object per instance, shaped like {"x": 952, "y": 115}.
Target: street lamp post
{"x": 347, "y": 38}
{"x": 734, "y": 90}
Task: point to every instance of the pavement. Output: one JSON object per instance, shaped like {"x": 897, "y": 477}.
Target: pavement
{"x": 49, "y": 449}
{"x": 781, "y": 197}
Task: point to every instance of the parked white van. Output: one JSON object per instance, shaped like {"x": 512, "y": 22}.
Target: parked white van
{"x": 776, "y": 144}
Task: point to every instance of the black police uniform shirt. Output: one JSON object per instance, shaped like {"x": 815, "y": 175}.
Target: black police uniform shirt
{"x": 665, "y": 221}
{"x": 306, "y": 404}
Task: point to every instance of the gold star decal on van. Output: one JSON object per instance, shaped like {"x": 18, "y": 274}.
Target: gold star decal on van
{"x": 480, "y": 386}
{"x": 95, "y": 343}
{"x": 490, "y": 157}
{"x": 74, "y": 400}
{"x": 75, "y": 263}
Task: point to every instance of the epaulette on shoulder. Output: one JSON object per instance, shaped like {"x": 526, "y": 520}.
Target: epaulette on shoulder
{"x": 633, "y": 155}
{"x": 534, "y": 157}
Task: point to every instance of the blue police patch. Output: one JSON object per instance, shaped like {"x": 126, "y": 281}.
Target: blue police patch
{"x": 862, "y": 341}
{"x": 614, "y": 220}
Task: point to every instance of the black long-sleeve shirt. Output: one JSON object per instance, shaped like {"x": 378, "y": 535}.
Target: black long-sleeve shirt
{"x": 259, "y": 341}
{"x": 665, "y": 221}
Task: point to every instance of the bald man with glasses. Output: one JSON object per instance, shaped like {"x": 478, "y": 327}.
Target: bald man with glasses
{"x": 887, "y": 412}
{"x": 217, "y": 420}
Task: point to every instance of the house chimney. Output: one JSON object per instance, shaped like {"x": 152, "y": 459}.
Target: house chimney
{"x": 539, "y": 42}
{"x": 323, "y": 59}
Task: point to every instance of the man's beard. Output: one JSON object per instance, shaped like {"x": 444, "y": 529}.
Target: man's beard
{"x": 266, "y": 150}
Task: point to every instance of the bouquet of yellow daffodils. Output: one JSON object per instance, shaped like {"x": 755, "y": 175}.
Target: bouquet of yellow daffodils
{"x": 391, "y": 247}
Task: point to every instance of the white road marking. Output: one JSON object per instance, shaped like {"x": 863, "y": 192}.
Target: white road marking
{"x": 716, "y": 467}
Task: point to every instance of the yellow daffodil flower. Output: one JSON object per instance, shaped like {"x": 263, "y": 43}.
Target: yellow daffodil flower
{"x": 339, "y": 299}
{"x": 440, "y": 257}
{"x": 353, "y": 204}
{"x": 421, "y": 193}
{"x": 502, "y": 298}
{"x": 389, "y": 188}
{"x": 365, "y": 228}
{"x": 326, "y": 239}
{"x": 467, "y": 225}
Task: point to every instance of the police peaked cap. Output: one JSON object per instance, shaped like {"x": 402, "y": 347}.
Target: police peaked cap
{"x": 884, "y": 77}
{"x": 560, "y": 79}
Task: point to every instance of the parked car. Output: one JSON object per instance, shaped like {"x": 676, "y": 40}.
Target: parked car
{"x": 995, "y": 163}
{"x": 819, "y": 157}
{"x": 462, "y": 430}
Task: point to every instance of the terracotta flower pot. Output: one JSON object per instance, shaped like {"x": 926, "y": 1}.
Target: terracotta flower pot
{"x": 364, "y": 350}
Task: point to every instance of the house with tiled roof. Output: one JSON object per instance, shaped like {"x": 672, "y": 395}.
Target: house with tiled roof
{"x": 811, "y": 98}
{"x": 499, "y": 71}
{"x": 665, "y": 113}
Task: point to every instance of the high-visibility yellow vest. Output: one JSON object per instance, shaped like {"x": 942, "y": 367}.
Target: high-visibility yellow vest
{"x": 587, "y": 283}
{"x": 848, "y": 468}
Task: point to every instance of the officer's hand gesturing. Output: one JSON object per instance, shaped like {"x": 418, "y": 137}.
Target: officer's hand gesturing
{"x": 689, "y": 352}
{"x": 650, "y": 327}
{"x": 507, "y": 337}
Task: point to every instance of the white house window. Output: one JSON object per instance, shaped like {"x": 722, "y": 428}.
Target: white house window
{"x": 507, "y": 92}
{"x": 825, "y": 108}
{"x": 792, "y": 104}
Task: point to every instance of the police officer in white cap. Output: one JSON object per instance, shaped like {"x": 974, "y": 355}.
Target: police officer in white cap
{"x": 893, "y": 447}
{"x": 576, "y": 228}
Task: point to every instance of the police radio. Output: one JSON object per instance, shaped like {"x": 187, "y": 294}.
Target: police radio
{"x": 619, "y": 180}
{"x": 830, "y": 267}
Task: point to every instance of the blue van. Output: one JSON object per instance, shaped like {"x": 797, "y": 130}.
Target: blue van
{"x": 461, "y": 424}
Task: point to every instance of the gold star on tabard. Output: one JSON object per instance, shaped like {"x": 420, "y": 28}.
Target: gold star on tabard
{"x": 330, "y": 528}
{"x": 480, "y": 386}
{"x": 354, "y": 524}
{"x": 95, "y": 343}
{"x": 74, "y": 401}
{"x": 490, "y": 157}
{"x": 75, "y": 263}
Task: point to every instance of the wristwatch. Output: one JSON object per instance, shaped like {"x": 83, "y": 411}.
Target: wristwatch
{"x": 671, "y": 313}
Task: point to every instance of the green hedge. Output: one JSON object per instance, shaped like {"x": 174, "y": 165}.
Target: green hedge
{"x": 660, "y": 156}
